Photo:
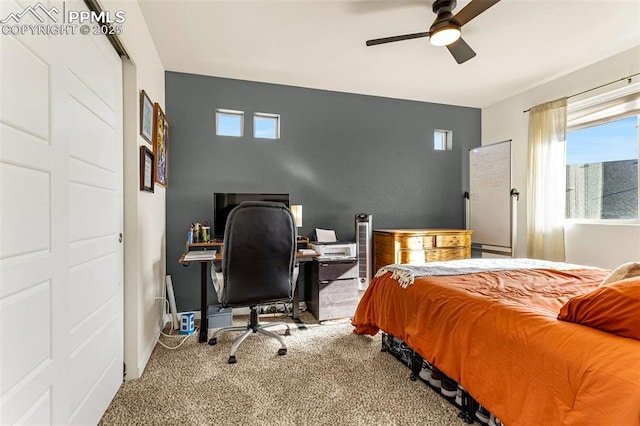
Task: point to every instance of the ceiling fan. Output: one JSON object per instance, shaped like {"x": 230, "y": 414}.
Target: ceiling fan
{"x": 445, "y": 30}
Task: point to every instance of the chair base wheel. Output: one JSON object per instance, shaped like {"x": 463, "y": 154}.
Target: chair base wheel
{"x": 232, "y": 359}
{"x": 282, "y": 351}
{"x": 213, "y": 341}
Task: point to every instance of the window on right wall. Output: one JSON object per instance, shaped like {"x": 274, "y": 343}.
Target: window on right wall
{"x": 603, "y": 142}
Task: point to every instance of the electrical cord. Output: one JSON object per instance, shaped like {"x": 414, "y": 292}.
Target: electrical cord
{"x": 177, "y": 335}
{"x": 184, "y": 338}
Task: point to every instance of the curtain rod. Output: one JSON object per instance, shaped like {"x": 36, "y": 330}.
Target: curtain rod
{"x": 629, "y": 77}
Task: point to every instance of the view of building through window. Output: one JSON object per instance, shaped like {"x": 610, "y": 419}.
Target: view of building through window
{"x": 602, "y": 171}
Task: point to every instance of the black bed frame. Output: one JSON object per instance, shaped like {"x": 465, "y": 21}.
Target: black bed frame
{"x": 414, "y": 362}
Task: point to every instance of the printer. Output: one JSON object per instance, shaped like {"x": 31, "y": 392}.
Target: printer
{"x": 335, "y": 250}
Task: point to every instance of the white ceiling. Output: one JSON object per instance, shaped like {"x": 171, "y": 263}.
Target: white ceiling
{"x": 321, "y": 44}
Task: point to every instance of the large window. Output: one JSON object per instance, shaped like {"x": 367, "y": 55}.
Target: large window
{"x": 602, "y": 155}
{"x": 602, "y": 168}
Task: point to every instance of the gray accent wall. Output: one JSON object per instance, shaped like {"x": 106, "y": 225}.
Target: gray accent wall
{"x": 339, "y": 154}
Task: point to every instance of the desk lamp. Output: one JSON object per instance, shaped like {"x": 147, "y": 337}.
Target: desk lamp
{"x": 296, "y": 209}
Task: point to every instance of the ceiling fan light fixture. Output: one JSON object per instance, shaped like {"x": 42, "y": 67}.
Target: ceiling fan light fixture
{"x": 445, "y": 35}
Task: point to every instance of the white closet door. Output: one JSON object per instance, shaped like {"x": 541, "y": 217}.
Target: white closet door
{"x": 61, "y": 331}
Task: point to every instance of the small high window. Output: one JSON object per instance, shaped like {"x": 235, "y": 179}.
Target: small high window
{"x": 229, "y": 122}
{"x": 442, "y": 140}
{"x": 266, "y": 126}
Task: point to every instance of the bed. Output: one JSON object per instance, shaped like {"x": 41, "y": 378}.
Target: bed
{"x": 493, "y": 327}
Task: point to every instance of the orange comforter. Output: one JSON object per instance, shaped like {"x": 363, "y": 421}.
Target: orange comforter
{"x": 496, "y": 334}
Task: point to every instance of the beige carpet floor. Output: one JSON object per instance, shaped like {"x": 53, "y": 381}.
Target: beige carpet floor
{"x": 329, "y": 376}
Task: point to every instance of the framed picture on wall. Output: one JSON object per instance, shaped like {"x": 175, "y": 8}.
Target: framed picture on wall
{"x": 161, "y": 146}
{"x": 146, "y": 169}
{"x": 146, "y": 116}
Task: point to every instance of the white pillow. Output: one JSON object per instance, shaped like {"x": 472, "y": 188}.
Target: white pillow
{"x": 626, "y": 270}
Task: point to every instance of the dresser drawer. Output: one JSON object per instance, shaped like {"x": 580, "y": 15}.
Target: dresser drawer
{"x": 412, "y": 256}
{"x": 456, "y": 240}
{"x": 438, "y": 255}
{"x": 334, "y": 270}
{"x": 417, "y": 242}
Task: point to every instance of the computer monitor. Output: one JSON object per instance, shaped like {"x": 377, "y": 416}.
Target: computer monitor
{"x": 224, "y": 202}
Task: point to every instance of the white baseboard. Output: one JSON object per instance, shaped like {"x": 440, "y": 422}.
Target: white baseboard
{"x": 166, "y": 319}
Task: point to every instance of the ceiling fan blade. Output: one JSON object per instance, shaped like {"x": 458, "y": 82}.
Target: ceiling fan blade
{"x": 473, "y": 9}
{"x": 396, "y": 38}
{"x": 461, "y": 51}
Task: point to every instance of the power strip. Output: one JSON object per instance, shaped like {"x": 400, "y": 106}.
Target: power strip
{"x": 262, "y": 309}
{"x": 273, "y": 308}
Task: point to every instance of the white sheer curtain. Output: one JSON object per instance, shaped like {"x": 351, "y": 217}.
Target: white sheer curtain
{"x": 546, "y": 181}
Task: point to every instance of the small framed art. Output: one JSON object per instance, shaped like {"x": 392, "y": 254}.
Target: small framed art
{"x": 161, "y": 146}
{"x": 146, "y": 169}
{"x": 146, "y": 116}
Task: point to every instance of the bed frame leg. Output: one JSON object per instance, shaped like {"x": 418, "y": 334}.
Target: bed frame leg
{"x": 384, "y": 346}
{"x": 416, "y": 366}
{"x": 470, "y": 406}
{"x": 465, "y": 417}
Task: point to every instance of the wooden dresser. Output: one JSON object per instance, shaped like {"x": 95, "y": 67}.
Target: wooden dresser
{"x": 413, "y": 246}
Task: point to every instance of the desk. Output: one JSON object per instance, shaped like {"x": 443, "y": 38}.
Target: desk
{"x": 204, "y": 320}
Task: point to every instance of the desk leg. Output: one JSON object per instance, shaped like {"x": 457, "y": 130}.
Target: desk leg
{"x": 204, "y": 319}
{"x": 295, "y": 303}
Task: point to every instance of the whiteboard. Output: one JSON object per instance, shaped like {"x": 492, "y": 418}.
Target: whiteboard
{"x": 490, "y": 194}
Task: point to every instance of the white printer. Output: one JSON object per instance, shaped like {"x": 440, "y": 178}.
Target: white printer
{"x": 335, "y": 250}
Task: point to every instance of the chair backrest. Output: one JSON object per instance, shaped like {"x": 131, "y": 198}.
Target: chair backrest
{"x": 258, "y": 254}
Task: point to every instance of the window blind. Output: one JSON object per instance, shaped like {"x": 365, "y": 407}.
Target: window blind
{"x": 602, "y": 108}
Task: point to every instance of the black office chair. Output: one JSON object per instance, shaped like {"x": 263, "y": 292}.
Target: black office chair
{"x": 257, "y": 265}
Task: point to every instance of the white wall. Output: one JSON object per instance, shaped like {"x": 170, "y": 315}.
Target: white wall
{"x": 604, "y": 245}
{"x": 144, "y": 212}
